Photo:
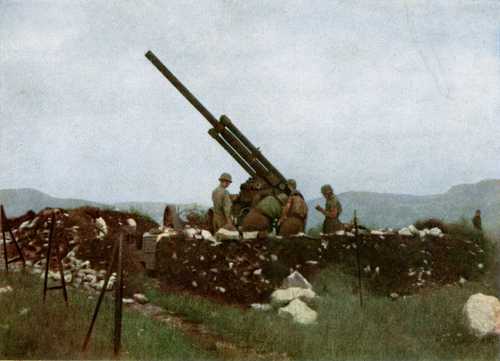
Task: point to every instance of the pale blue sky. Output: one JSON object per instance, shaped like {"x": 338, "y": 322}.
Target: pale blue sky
{"x": 387, "y": 96}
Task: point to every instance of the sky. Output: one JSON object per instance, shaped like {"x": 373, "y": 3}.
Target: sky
{"x": 383, "y": 96}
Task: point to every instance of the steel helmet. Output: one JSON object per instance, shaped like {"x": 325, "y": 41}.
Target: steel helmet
{"x": 283, "y": 198}
{"x": 225, "y": 177}
{"x": 292, "y": 184}
{"x": 326, "y": 189}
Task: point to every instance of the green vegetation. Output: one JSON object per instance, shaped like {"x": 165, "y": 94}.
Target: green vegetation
{"x": 31, "y": 330}
{"x": 426, "y": 326}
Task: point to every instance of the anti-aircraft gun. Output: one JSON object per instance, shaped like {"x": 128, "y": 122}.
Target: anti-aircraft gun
{"x": 264, "y": 179}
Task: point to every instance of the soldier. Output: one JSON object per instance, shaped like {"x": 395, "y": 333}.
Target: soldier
{"x": 294, "y": 215}
{"x": 332, "y": 210}
{"x": 222, "y": 204}
{"x": 476, "y": 221}
{"x": 261, "y": 217}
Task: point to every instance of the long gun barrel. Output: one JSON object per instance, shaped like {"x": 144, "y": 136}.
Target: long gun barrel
{"x": 228, "y": 135}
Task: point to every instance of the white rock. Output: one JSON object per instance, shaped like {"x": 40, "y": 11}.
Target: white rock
{"x": 190, "y": 232}
{"x": 261, "y": 306}
{"x": 208, "y": 236}
{"x": 405, "y": 232}
{"x": 102, "y": 226}
{"x": 34, "y": 222}
{"x": 56, "y": 276}
{"x": 226, "y": 235}
{"x": 6, "y": 289}
{"x": 140, "y": 298}
{"x": 296, "y": 280}
{"x": 220, "y": 289}
{"x": 413, "y": 229}
{"x": 481, "y": 312}
{"x": 394, "y": 295}
{"x": 300, "y": 312}
{"x": 132, "y": 223}
{"x": 257, "y": 272}
{"x": 98, "y": 285}
{"x": 436, "y": 232}
{"x": 282, "y": 297}
{"x": 90, "y": 278}
{"x": 274, "y": 258}
{"x": 250, "y": 235}
{"x": 462, "y": 280}
{"x": 340, "y": 233}
{"x": 24, "y": 311}
{"x": 128, "y": 300}
{"x": 24, "y": 225}
{"x": 377, "y": 233}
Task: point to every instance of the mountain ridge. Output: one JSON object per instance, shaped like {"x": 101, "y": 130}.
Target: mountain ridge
{"x": 374, "y": 209}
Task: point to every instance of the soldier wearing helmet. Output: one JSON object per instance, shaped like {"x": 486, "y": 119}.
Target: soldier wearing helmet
{"x": 332, "y": 210}
{"x": 294, "y": 216}
{"x": 476, "y": 221}
{"x": 265, "y": 213}
{"x": 222, "y": 204}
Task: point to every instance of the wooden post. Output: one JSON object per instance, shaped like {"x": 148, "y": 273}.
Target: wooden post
{"x": 118, "y": 299}
{"x": 356, "y": 241}
{"x": 101, "y": 296}
{"x": 5, "y": 226}
{"x": 2, "y": 225}
{"x": 54, "y": 239}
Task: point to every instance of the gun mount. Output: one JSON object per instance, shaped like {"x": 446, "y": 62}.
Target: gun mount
{"x": 265, "y": 178}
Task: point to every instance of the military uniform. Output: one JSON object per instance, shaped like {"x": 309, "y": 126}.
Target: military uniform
{"x": 260, "y": 217}
{"x": 294, "y": 215}
{"x": 476, "y": 221}
{"x": 330, "y": 224}
{"x": 222, "y": 207}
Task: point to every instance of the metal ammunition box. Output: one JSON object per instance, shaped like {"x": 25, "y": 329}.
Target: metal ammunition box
{"x": 149, "y": 250}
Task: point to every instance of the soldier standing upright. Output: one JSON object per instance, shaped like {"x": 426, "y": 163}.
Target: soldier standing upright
{"x": 476, "y": 221}
{"x": 222, "y": 204}
{"x": 332, "y": 210}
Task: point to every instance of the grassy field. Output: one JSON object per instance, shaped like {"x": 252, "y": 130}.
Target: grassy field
{"x": 425, "y": 326}
{"x": 31, "y": 330}
{"x": 420, "y": 327}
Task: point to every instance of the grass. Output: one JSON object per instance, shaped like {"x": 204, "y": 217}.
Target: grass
{"x": 52, "y": 331}
{"x": 420, "y": 327}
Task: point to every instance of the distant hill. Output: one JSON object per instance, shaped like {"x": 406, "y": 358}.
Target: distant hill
{"x": 374, "y": 209}
{"x": 18, "y": 201}
{"x": 398, "y": 210}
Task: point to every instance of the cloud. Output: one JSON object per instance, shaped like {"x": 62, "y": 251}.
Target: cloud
{"x": 395, "y": 96}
